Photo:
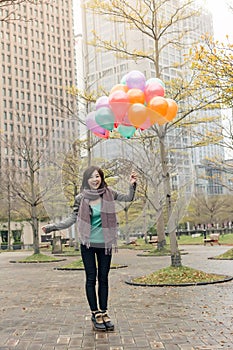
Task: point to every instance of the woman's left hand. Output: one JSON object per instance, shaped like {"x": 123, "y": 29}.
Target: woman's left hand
{"x": 133, "y": 177}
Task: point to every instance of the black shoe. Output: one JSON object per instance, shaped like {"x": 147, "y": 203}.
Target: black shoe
{"x": 107, "y": 321}
{"x": 97, "y": 321}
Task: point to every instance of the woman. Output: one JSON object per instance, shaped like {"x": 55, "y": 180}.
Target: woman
{"x": 94, "y": 211}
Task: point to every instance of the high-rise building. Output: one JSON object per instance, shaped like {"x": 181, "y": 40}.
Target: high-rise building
{"x": 106, "y": 68}
{"x": 37, "y": 68}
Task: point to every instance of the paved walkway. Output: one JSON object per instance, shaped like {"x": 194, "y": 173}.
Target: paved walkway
{"x": 46, "y": 309}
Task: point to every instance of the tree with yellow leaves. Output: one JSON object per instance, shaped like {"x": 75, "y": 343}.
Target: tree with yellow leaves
{"x": 212, "y": 62}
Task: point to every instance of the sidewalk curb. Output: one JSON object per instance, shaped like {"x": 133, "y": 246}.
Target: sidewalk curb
{"x": 226, "y": 279}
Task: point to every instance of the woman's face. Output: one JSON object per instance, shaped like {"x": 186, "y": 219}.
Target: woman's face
{"x": 94, "y": 181}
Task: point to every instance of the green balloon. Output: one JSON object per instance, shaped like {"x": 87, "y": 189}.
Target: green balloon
{"x": 104, "y": 117}
{"x": 123, "y": 79}
{"x": 126, "y": 131}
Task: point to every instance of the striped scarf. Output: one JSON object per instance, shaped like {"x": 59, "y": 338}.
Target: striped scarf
{"x": 108, "y": 217}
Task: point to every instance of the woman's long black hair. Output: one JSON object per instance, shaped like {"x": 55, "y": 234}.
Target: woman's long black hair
{"x": 87, "y": 174}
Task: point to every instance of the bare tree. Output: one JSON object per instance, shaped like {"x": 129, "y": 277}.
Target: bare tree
{"x": 10, "y": 9}
{"x": 147, "y": 19}
{"x": 209, "y": 209}
{"x": 23, "y": 180}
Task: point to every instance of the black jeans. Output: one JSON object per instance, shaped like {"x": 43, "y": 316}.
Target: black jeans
{"x": 102, "y": 266}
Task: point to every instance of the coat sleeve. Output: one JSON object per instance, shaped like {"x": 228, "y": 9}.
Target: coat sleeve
{"x": 125, "y": 197}
{"x": 69, "y": 221}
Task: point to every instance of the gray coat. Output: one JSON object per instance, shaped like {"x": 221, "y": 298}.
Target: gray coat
{"x": 72, "y": 218}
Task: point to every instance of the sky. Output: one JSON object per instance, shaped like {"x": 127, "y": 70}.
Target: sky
{"x": 77, "y": 16}
{"x": 222, "y": 18}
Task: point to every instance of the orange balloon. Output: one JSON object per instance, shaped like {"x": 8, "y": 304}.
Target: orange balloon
{"x": 119, "y": 87}
{"x": 136, "y": 96}
{"x": 172, "y": 109}
{"x": 159, "y": 104}
{"x": 137, "y": 114}
{"x": 155, "y": 117}
{"x": 147, "y": 124}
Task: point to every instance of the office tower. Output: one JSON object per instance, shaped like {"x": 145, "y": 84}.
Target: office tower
{"x": 37, "y": 67}
{"x": 105, "y": 69}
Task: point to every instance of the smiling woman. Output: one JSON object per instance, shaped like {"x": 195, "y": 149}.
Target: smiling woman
{"x": 94, "y": 211}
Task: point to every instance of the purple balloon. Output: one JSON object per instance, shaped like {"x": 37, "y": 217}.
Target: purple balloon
{"x": 136, "y": 80}
{"x": 92, "y": 125}
{"x": 102, "y": 102}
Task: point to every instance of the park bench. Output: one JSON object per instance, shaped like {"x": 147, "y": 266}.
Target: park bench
{"x": 213, "y": 238}
{"x": 153, "y": 240}
{"x": 194, "y": 235}
{"x": 131, "y": 242}
{"x": 45, "y": 245}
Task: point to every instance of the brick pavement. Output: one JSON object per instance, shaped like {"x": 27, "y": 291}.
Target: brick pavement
{"x": 45, "y": 309}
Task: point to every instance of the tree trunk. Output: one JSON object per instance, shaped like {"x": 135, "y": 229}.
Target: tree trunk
{"x": 127, "y": 235}
{"x": 9, "y": 216}
{"x": 159, "y": 220}
{"x": 35, "y": 230}
{"x": 34, "y": 218}
{"x": 76, "y": 243}
{"x": 145, "y": 235}
{"x": 175, "y": 255}
{"x": 161, "y": 232}
{"x": 89, "y": 147}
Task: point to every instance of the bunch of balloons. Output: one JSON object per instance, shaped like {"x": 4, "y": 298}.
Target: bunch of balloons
{"x": 135, "y": 103}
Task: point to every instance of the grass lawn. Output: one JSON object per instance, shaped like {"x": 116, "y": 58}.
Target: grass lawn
{"x": 155, "y": 252}
{"x": 70, "y": 251}
{"x": 78, "y": 265}
{"x": 228, "y": 255}
{"x": 39, "y": 258}
{"x": 75, "y": 265}
{"x": 224, "y": 239}
{"x": 168, "y": 276}
{"x": 184, "y": 239}
{"x": 178, "y": 276}
{"x": 140, "y": 245}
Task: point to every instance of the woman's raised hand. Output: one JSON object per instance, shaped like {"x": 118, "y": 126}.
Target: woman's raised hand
{"x": 133, "y": 177}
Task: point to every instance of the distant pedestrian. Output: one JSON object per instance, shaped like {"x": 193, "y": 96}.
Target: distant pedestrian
{"x": 94, "y": 211}
{"x": 204, "y": 233}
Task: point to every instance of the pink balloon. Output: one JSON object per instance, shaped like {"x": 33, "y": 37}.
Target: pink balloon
{"x": 102, "y": 102}
{"x": 125, "y": 121}
{"x": 153, "y": 89}
{"x": 119, "y": 103}
{"x": 103, "y": 136}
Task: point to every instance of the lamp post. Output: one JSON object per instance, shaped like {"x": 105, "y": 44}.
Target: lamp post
{"x": 8, "y": 214}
